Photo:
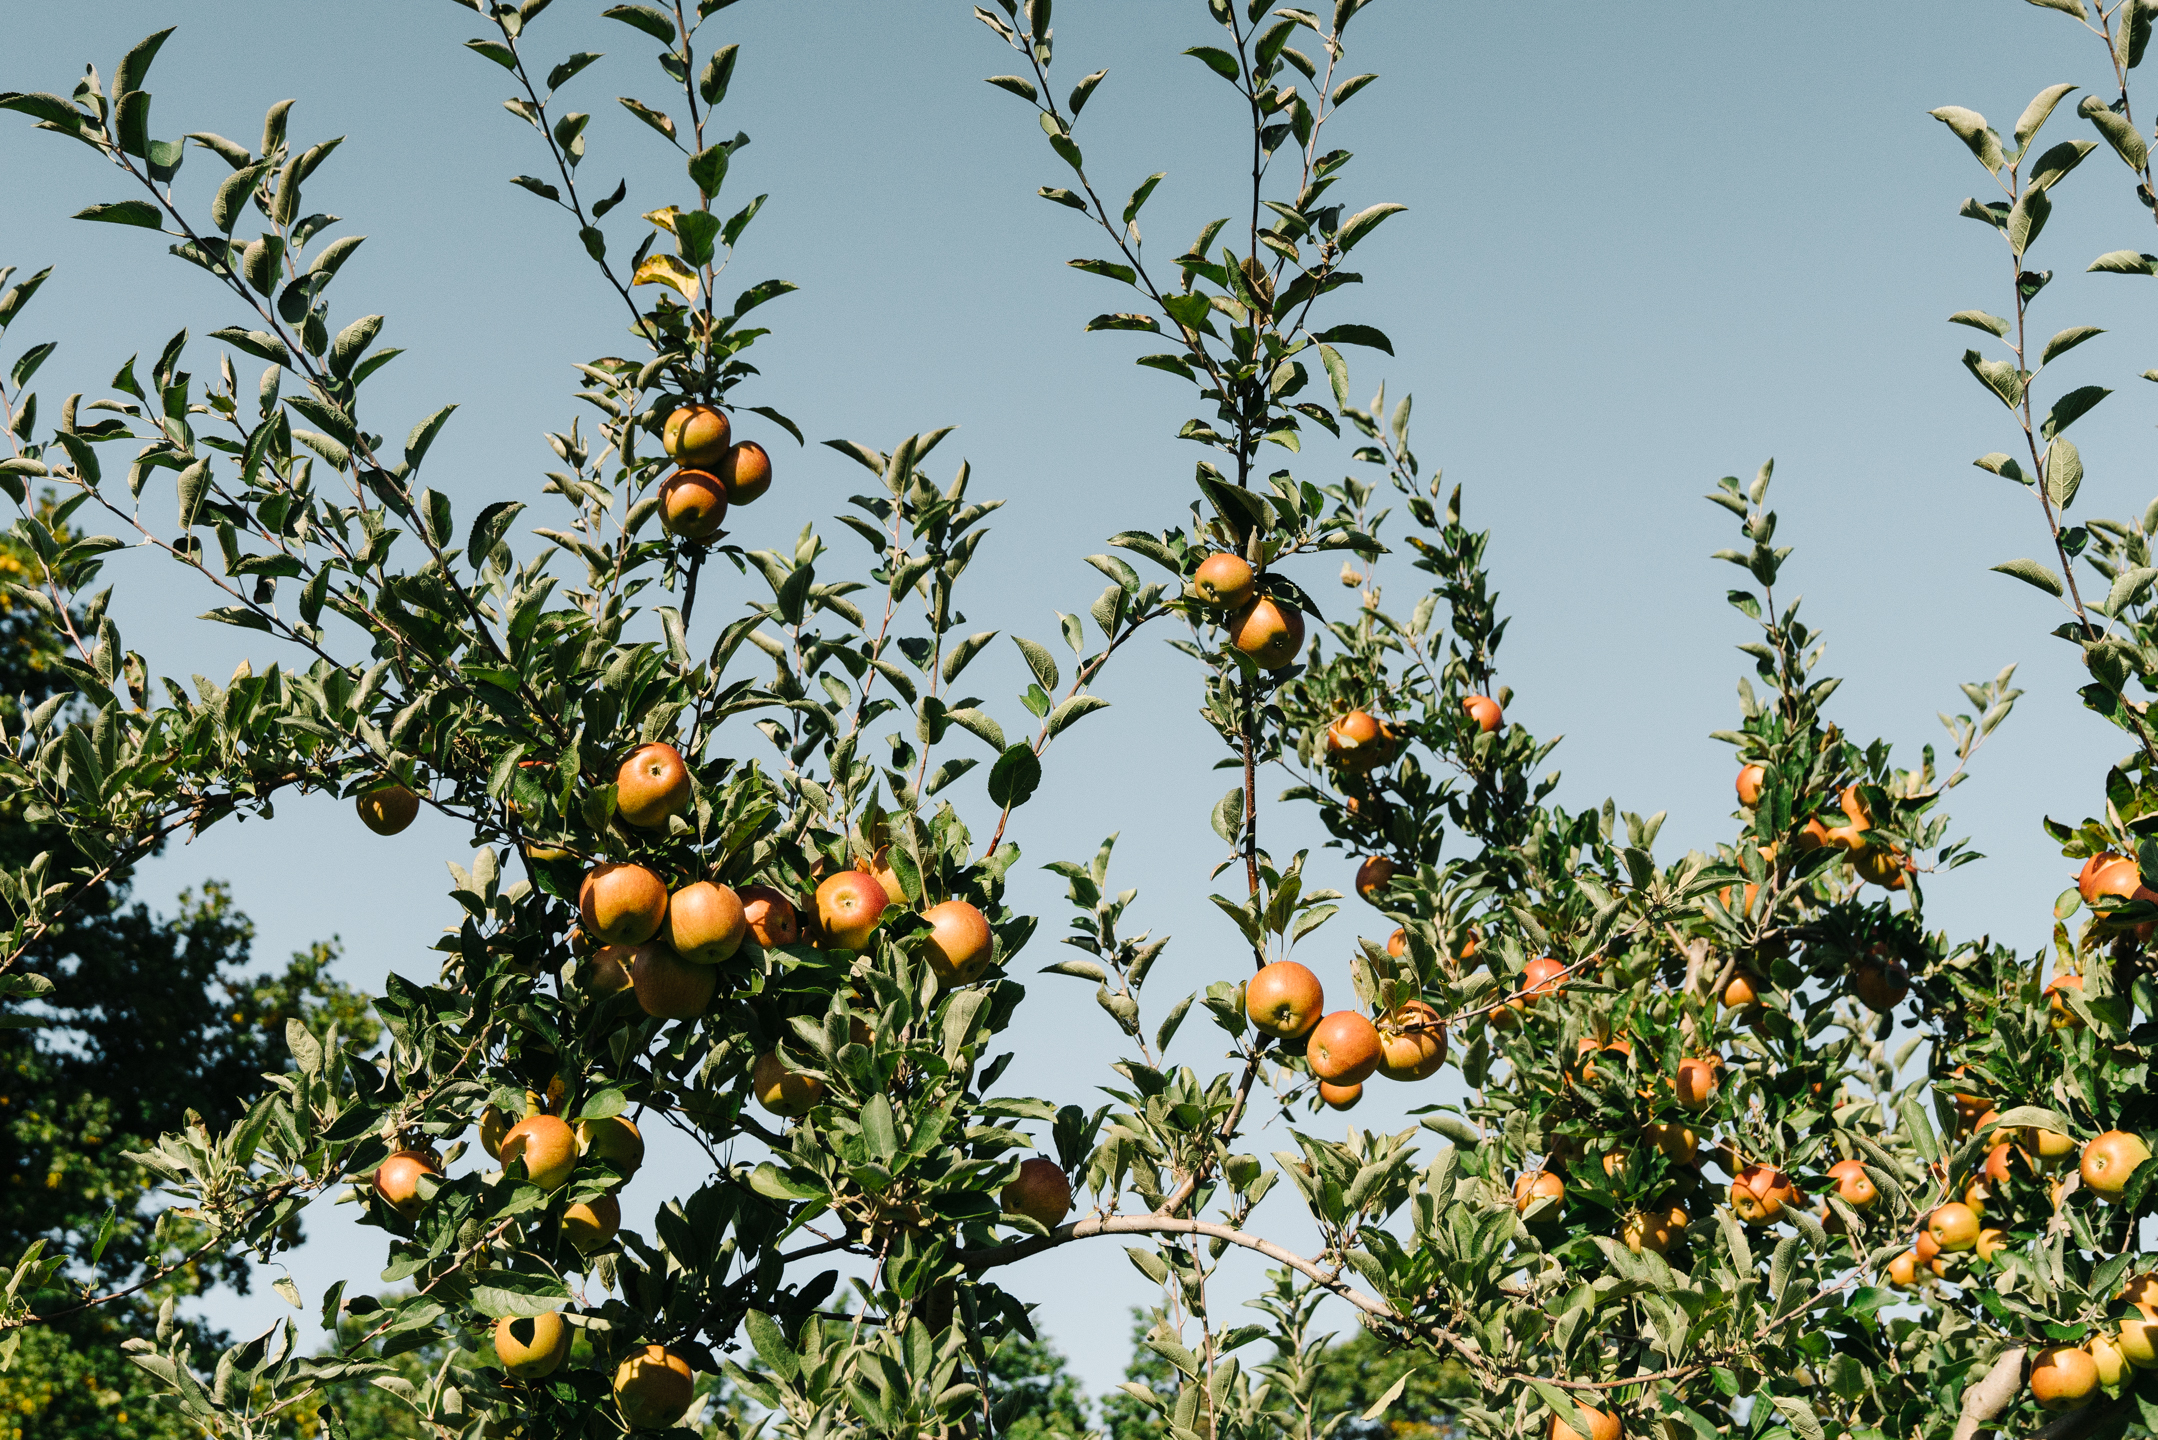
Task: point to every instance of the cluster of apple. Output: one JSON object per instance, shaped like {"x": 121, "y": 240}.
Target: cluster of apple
{"x": 1345, "y": 1048}
{"x": 716, "y": 471}
{"x": 1875, "y": 861}
{"x": 1269, "y": 631}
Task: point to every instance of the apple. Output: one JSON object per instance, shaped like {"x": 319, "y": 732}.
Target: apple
{"x": 2139, "y": 1338}
{"x": 494, "y": 1124}
{"x": 1358, "y": 743}
{"x": 1339, "y": 1097}
{"x": 959, "y": 946}
{"x": 1041, "y": 1193}
{"x": 2114, "y": 875}
{"x": 2108, "y": 1358}
{"x": 652, "y": 786}
{"x": 1343, "y": 1048}
{"x": 881, "y": 867}
{"x": 1397, "y": 944}
{"x": 2141, "y": 1289}
{"x": 693, "y": 504}
{"x": 696, "y": 434}
{"x": 1586, "y": 1052}
{"x": 1926, "y": 1248}
{"x": 1761, "y": 1193}
{"x": 1880, "y": 864}
{"x": 1284, "y": 999}
{"x": 1271, "y": 633}
{"x": 1695, "y": 1084}
{"x": 746, "y": 471}
{"x": 531, "y": 1346}
{"x": 397, "y": 1179}
{"x": 1990, "y": 1243}
{"x": 2110, "y": 1160}
{"x": 1881, "y": 985}
{"x": 1534, "y": 1185}
{"x": 1225, "y": 580}
{"x": 1743, "y": 992}
{"x": 669, "y": 987}
{"x": 1813, "y": 835}
{"x": 622, "y": 904}
{"x": 1588, "y": 1424}
{"x": 771, "y": 916}
{"x": 849, "y": 907}
{"x": 653, "y": 1388}
{"x": 387, "y": 809}
{"x": 2048, "y": 1145}
{"x": 589, "y": 1224}
{"x": 1854, "y": 808}
{"x": 607, "y": 971}
{"x": 1542, "y": 976}
{"x": 614, "y": 1140}
{"x": 1750, "y": 780}
{"x": 1412, "y": 1042}
{"x": 547, "y": 1147}
{"x": 1953, "y": 1226}
{"x": 1656, "y": 1230}
{"x": 1374, "y": 875}
{"x": 1678, "y": 1143}
{"x": 706, "y": 923}
{"x": 782, "y": 1091}
{"x": 2063, "y": 1377}
{"x": 1485, "y": 712}
{"x": 1853, "y": 1185}
{"x": 1903, "y": 1270}
{"x": 2064, "y": 1016}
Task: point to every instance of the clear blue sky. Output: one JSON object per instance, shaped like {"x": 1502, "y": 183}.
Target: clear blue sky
{"x": 1646, "y": 246}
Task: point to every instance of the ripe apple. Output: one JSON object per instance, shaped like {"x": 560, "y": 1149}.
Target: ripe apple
{"x": 1358, "y": 743}
{"x": 1881, "y": 865}
{"x": 746, "y": 471}
{"x": 1271, "y": 633}
{"x": 1854, "y": 808}
{"x": 2141, "y": 1289}
{"x": 1586, "y": 1052}
{"x": 1588, "y": 1424}
{"x": 696, "y": 434}
{"x": 397, "y": 1179}
{"x": 1853, "y": 1185}
{"x": 2063, "y": 1377}
{"x": 881, "y": 867}
{"x": 2108, "y": 1358}
{"x": 1485, "y": 711}
{"x": 849, "y": 906}
{"x": 1881, "y": 985}
{"x": 1374, "y": 875}
{"x": 622, "y": 904}
{"x": 1953, "y": 1226}
{"x": 547, "y": 1147}
{"x": 1761, "y": 1193}
{"x": 782, "y": 1091}
{"x": 771, "y": 916}
{"x": 2064, "y": 1016}
{"x": 1813, "y": 835}
{"x": 1534, "y": 1185}
{"x": 531, "y": 1346}
{"x": 1743, "y": 992}
{"x": 1542, "y": 976}
{"x": 1041, "y": 1193}
{"x": 2139, "y": 1338}
{"x": 959, "y": 946}
{"x": 1225, "y": 580}
{"x": 2110, "y": 1160}
{"x": 607, "y": 971}
{"x": 2048, "y": 1145}
{"x": 1397, "y": 944}
{"x": 2110, "y": 874}
{"x": 1412, "y": 1042}
{"x": 613, "y": 1140}
{"x": 1339, "y": 1097}
{"x": 652, "y": 786}
{"x": 693, "y": 504}
{"x": 1656, "y": 1230}
{"x": 1926, "y": 1248}
{"x": 1903, "y": 1270}
{"x": 1990, "y": 1243}
{"x": 387, "y": 809}
{"x": 653, "y": 1388}
{"x": 1678, "y": 1143}
{"x": 1343, "y": 1048}
{"x": 1695, "y": 1084}
{"x": 1750, "y": 780}
{"x": 589, "y": 1224}
{"x": 705, "y": 923}
{"x": 495, "y": 1123}
{"x": 668, "y": 986}
{"x": 1284, "y": 999}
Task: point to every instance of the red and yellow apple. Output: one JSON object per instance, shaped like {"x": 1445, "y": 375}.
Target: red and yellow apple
{"x": 1284, "y": 999}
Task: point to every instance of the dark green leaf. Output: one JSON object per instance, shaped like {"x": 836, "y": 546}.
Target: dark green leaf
{"x": 1012, "y": 780}
{"x": 125, "y": 212}
{"x": 649, "y": 18}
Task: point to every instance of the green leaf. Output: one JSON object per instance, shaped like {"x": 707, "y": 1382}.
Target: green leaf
{"x": 1337, "y": 372}
{"x": 423, "y": 435}
{"x": 1017, "y": 85}
{"x": 695, "y": 233}
{"x": 1980, "y": 320}
{"x": 2125, "y": 262}
{"x": 494, "y": 50}
{"x": 879, "y": 1131}
{"x": 2066, "y": 7}
{"x": 2072, "y": 407}
{"x": 1356, "y": 335}
{"x": 1065, "y": 715}
{"x": 2035, "y": 113}
{"x": 2064, "y": 471}
{"x": 496, "y": 1293}
{"x": 1970, "y": 127}
{"x": 708, "y": 170}
{"x": 1013, "y": 779}
{"x": 650, "y": 19}
{"x": 1221, "y": 62}
{"x": 1363, "y": 222}
{"x": 658, "y": 120}
{"x": 781, "y": 1358}
{"x": 1348, "y": 87}
{"x": 489, "y": 528}
{"x": 768, "y": 1182}
{"x": 2030, "y": 572}
{"x": 1039, "y": 660}
{"x": 1084, "y": 91}
{"x": 2066, "y": 341}
{"x": 1228, "y": 816}
{"x": 564, "y": 72}
{"x": 125, "y": 212}
{"x": 134, "y": 66}
{"x": 718, "y": 73}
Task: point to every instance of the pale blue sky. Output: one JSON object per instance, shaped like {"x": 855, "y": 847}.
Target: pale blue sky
{"x": 1646, "y": 246}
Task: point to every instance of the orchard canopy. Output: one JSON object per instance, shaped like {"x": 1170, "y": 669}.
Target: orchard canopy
{"x": 1752, "y": 1144}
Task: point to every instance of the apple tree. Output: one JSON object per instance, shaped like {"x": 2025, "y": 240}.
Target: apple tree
{"x": 1748, "y": 1147}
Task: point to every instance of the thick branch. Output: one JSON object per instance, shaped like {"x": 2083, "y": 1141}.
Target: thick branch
{"x": 1990, "y": 1396}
